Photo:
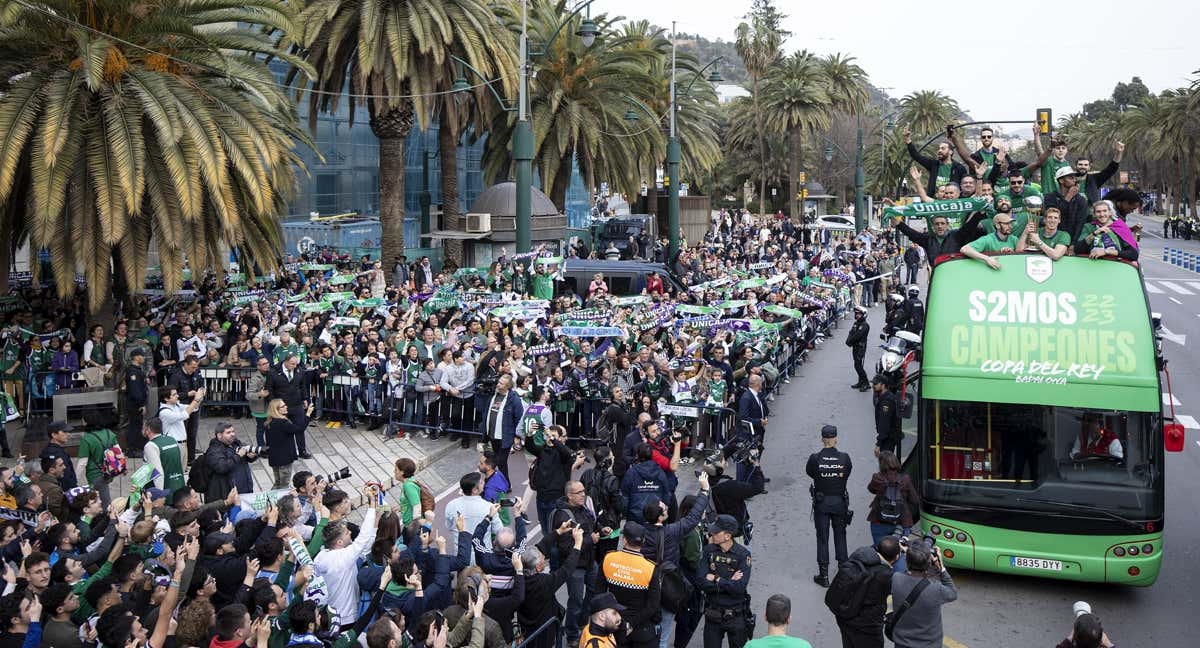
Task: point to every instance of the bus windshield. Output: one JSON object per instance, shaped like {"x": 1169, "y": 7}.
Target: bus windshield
{"x": 1039, "y": 455}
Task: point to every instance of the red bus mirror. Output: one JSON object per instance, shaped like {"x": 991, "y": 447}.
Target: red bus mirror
{"x": 1173, "y": 436}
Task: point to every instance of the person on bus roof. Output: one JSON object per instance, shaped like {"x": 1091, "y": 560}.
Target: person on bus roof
{"x": 1001, "y": 240}
{"x": 1096, "y": 441}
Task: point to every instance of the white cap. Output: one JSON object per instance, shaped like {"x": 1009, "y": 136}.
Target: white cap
{"x": 1065, "y": 171}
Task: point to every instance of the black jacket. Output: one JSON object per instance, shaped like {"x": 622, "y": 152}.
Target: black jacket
{"x": 605, "y": 490}
{"x": 136, "y": 392}
{"x": 957, "y": 169}
{"x": 729, "y": 495}
{"x": 540, "y": 603}
{"x": 1091, "y": 188}
{"x": 951, "y": 243}
{"x": 549, "y": 477}
{"x": 226, "y": 470}
{"x": 672, "y": 533}
{"x": 887, "y": 418}
{"x": 292, "y": 392}
{"x": 183, "y": 383}
{"x": 281, "y": 437}
{"x": 857, "y": 339}
{"x": 582, "y": 517}
{"x": 878, "y": 587}
{"x": 1074, "y": 212}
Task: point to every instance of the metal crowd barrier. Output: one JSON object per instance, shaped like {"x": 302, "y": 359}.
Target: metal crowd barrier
{"x": 446, "y": 415}
{"x": 225, "y": 388}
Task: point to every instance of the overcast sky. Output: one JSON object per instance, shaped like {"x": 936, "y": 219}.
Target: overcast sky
{"x": 906, "y": 46}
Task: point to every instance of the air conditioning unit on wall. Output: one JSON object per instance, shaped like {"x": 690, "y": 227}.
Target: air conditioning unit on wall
{"x": 479, "y": 223}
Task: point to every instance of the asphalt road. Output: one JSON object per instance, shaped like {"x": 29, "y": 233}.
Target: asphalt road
{"x": 992, "y": 610}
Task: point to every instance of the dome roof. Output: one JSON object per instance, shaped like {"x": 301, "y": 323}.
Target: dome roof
{"x": 501, "y": 200}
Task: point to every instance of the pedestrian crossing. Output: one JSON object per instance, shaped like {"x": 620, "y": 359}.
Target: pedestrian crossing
{"x": 1172, "y": 287}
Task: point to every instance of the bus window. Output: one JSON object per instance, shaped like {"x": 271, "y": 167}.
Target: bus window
{"x": 1028, "y": 445}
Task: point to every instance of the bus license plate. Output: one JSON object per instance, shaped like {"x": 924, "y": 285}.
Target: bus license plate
{"x": 1037, "y": 563}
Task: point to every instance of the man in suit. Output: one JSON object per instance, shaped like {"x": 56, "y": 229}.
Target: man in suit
{"x": 187, "y": 381}
{"x": 287, "y": 384}
{"x": 427, "y": 346}
{"x": 752, "y": 408}
{"x": 501, "y": 420}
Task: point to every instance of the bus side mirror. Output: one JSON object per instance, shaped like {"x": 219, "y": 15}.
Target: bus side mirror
{"x": 1173, "y": 436}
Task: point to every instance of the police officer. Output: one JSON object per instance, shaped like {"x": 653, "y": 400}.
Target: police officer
{"x": 724, "y": 574}
{"x": 914, "y": 310}
{"x": 1167, "y": 227}
{"x": 829, "y": 470}
{"x": 887, "y": 417}
{"x": 857, "y": 341}
{"x": 137, "y": 393}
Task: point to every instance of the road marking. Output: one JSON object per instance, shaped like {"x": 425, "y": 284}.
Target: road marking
{"x": 1177, "y": 338}
{"x": 1169, "y": 399}
{"x": 1194, "y": 284}
{"x": 1187, "y": 421}
{"x": 1177, "y": 288}
{"x": 950, "y": 643}
{"x": 1152, "y": 289}
{"x": 1177, "y": 301}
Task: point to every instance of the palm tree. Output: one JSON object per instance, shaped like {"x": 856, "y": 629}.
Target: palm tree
{"x": 847, "y": 83}
{"x": 129, "y": 124}
{"x": 741, "y": 162}
{"x": 393, "y": 55}
{"x": 927, "y": 111}
{"x": 577, "y": 107}
{"x": 758, "y": 43}
{"x": 796, "y": 96}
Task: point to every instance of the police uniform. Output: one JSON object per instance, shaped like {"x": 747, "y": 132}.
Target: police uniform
{"x": 829, "y": 470}
{"x": 857, "y": 341}
{"x": 136, "y": 396}
{"x": 887, "y": 419}
{"x": 726, "y": 604}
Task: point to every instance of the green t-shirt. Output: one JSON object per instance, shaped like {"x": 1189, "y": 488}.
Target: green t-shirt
{"x": 1018, "y": 203}
{"x": 943, "y": 174}
{"x": 542, "y": 286}
{"x": 993, "y": 243}
{"x": 1049, "y": 168}
{"x": 1060, "y": 238}
{"x": 92, "y": 445}
{"x": 778, "y": 641}
{"x": 1019, "y": 222}
{"x": 410, "y": 500}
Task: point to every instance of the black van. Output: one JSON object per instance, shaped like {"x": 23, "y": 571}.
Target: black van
{"x": 624, "y": 278}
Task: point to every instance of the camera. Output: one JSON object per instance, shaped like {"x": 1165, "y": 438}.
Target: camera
{"x": 508, "y": 502}
{"x": 745, "y": 449}
{"x": 256, "y": 450}
{"x": 341, "y": 473}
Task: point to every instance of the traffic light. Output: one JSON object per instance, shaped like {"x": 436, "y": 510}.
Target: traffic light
{"x": 1045, "y": 121}
{"x": 803, "y": 177}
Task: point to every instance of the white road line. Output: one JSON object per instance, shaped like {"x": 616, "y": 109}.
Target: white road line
{"x": 1177, "y": 288}
{"x": 1176, "y": 301}
{"x": 1169, "y": 399}
{"x": 1152, "y": 289}
{"x": 1194, "y": 284}
{"x": 1187, "y": 421}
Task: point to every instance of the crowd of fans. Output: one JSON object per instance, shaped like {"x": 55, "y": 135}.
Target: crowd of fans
{"x": 635, "y": 385}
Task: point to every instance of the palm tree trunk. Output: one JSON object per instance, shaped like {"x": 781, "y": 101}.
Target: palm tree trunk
{"x": 762, "y": 153}
{"x": 451, "y": 214}
{"x": 794, "y": 174}
{"x": 392, "y": 128}
{"x": 562, "y": 180}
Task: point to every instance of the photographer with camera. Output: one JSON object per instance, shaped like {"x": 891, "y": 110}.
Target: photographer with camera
{"x": 1087, "y": 631}
{"x": 729, "y": 495}
{"x": 829, "y": 469}
{"x": 917, "y": 600}
{"x": 228, "y": 462}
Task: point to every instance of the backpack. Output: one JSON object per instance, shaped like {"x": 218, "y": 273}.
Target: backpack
{"x": 112, "y": 460}
{"x": 890, "y": 503}
{"x": 428, "y": 503}
{"x": 845, "y": 594}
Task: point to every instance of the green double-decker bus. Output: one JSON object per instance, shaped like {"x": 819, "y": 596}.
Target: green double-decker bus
{"x": 1039, "y": 420}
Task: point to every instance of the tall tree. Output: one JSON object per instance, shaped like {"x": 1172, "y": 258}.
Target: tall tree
{"x": 124, "y": 124}
{"x": 797, "y": 101}
{"x": 759, "y": 43}
{"x": 927, "y": 112}
{"x": 393, "y": 55}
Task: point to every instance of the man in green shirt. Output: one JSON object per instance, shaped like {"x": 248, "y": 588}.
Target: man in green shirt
{"x": 1049, "y": 161}
{"x": 542, "y": 283}
{"x": 163, "y": 453}
{"x": 778, "y": 614}
{"x": 1002, "y": 240}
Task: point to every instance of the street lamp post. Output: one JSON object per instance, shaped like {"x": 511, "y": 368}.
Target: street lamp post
{"x": 858, "y": 181}
{"x": 523, "y": 134}
{"x": 672, "y": 180}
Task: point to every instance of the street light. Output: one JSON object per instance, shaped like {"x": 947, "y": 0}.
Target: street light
{"x": 587, "y": 32}
{"x": 828, "y": 153}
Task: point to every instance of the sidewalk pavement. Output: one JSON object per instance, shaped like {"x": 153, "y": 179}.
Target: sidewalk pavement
{"x": 368, "y": 456}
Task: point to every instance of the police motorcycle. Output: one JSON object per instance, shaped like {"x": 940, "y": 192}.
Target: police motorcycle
{"x": 900, "y": 350}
